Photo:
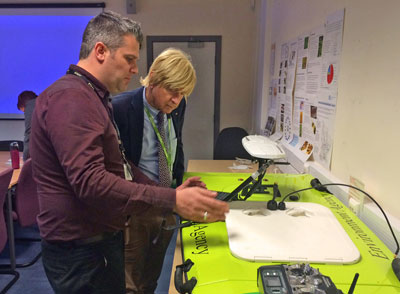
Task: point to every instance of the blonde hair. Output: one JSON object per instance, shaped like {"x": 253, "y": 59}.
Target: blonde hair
{"x": 173, "y": 71}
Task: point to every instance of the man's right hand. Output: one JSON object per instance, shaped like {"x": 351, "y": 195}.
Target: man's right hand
{"x": 198, "y": 204}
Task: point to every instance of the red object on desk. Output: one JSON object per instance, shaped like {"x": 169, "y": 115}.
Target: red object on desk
{"x": 14, "y": 152}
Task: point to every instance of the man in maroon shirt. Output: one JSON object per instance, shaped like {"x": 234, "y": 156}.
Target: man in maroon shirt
{"x": 86, "y": 187}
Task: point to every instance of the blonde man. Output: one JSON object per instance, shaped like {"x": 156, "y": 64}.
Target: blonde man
{"x": 160, "y": 156}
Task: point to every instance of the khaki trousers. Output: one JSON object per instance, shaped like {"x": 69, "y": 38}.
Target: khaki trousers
{"x": 145, "y": 247}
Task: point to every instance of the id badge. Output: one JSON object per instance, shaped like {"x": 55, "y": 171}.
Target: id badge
{"x": 127, "y": 173}
{"x": 173, "y": 184}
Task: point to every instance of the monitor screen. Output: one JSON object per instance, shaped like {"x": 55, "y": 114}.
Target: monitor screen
{"x": 37, "y": 47}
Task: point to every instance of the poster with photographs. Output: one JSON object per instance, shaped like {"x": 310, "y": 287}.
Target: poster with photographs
{"x": 327, "y": 98}
{"x": 287, "y": 107}
{"x": 272, "y": 114}
{"x": 291, "y": 68}
{"x": 324, "y": 133}
{"x": 302, "y": 60}
{"x": 314, "y": 65}
{"x": 331, "y": 55}
{"x": 307, "y": 87}
{"x": 283, "y": 69}
{"x": 270, "y": 126}
{"x": 303, "y": 132}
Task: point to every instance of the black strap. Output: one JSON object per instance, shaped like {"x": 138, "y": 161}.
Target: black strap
{"x": 187, "y": 287}
{"x": 110, "y": 115}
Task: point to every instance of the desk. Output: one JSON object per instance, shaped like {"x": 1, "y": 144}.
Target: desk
{"x": 5, "y": 164}
{"x": 201, "y": 166}
{"x": 219, "y": 271}
{"x": 218, "y": 166}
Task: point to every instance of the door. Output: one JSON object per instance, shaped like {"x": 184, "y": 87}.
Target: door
{"x": 201, "y": 125}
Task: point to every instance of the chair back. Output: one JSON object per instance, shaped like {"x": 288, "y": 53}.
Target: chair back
{"x": 26, "y": 197}
{"x": 5, "y": 179}
{"x": 229, "y": 144}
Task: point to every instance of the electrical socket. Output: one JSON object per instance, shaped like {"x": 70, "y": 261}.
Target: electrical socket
{"x": 354, "y": 205}
{"x": 326, "y": 177}
{"x": 131, "y": 6}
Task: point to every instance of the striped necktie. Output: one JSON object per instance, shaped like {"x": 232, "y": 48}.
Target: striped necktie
{"x": 163, "y": 170}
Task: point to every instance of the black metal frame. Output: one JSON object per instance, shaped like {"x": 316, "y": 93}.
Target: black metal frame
{"x": 217, "y": 79}
{"x": 10, "y": 283}
{"x": 53, "y": 5}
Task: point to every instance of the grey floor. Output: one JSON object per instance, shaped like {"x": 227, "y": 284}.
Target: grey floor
{"x": 33, "y": 279}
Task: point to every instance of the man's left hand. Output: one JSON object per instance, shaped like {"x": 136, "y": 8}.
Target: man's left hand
{"x": 192, "y": 182}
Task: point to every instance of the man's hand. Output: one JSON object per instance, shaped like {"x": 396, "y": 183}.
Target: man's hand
{"x": 192, "y": 182}
{"x": 198, "y": 204}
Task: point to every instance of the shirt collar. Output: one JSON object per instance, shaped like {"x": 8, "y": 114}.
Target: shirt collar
{"x": 152, "y": 110}
{"x": 100, "y": 88}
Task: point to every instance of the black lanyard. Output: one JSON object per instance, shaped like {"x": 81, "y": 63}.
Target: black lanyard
{"x": 127, "y": 167}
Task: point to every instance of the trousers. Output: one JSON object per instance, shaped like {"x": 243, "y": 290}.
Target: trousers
{"x": 145, "y": 249}
{"x": 94, "y": 268}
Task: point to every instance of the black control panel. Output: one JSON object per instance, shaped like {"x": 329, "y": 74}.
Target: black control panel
{"x": 294, "y": 279}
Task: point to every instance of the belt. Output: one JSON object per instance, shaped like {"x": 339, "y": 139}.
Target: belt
{"x": 86, "y": 241}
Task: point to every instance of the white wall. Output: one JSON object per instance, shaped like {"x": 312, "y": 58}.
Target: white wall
{"x": 234, "y": 20}
{"x": 12, "y": 130}
{"x": 366, "y": 140}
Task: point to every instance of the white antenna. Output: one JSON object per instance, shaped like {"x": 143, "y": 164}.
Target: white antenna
{"x": 262, "y": 147}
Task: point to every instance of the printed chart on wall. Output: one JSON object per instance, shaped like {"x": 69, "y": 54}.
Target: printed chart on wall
{"x": 287, "y": 71}
{"x": 306, "y": 96}
{"x": 329, "y": 87}
{"x": 290, "y": 78}
{"x": 270, "y": 126}
{"x": 307, "y": 90}
{"x": 284, "y": 104}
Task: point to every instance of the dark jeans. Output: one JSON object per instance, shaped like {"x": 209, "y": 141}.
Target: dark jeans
{"x": 86, "y": 269}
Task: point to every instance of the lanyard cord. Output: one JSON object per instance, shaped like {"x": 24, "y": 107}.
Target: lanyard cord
{"x": 167, "y": 155}
{"x": 110, "y": 115}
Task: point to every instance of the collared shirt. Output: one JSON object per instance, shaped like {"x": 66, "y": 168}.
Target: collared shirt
{"x": 149, "y": 157}
{"x": 77, "y": 164}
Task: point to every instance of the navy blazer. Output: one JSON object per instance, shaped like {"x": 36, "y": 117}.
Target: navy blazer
{"x": 129, "y": 116}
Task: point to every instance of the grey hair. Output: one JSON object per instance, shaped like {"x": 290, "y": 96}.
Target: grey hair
{"x": 110, "y": 28}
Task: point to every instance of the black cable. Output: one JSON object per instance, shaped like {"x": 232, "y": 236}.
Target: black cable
{"x": 294, "y": 192}
{"x": 370, "y": 197}
{"x": 317, "y": 185}
{"x": 353, "y": 284}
